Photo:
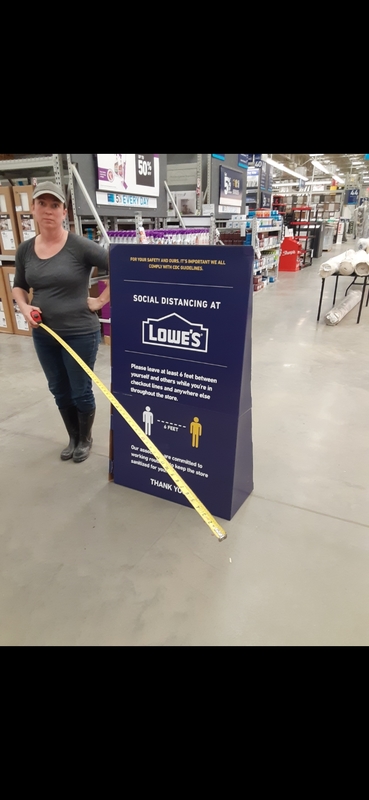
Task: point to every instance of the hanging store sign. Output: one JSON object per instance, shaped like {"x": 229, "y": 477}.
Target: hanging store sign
{"x": 230, "y": 187}
{"x": 129, "y": 173}
{"x": 243, "y": 160}
{"x": 265, "y": 200}
{"x": 270, "y": 178}
{"x": 266, "y": 177}
{"x": 251, "y": 198}
{"x": 352, "y": 197}
{"x": 114, "y": 199}
{"x": 252, "y": 178}
{"x": 221, "y": 156}
{"x": 257, "y": 160}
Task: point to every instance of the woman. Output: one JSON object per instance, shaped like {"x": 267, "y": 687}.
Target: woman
{"x": 57, "y": 264}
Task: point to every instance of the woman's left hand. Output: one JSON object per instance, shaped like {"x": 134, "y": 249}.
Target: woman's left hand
{"x": 94, "y": 303}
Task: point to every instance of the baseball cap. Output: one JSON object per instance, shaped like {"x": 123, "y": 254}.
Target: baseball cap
{"x": 47, "y": 187}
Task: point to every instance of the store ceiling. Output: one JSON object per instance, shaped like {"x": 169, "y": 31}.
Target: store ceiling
{"x": 341, "y": 163}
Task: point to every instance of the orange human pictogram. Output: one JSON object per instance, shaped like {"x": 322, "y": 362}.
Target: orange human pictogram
{"x": 196, "y": 431}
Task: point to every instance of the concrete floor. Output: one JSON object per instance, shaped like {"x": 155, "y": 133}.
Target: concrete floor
{"x": 87, "y": 562}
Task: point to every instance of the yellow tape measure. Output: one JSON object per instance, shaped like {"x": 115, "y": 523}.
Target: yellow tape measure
{"x": 215, "y": 528}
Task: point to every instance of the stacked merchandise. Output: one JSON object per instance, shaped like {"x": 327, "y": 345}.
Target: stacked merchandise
{"x": 269, "y": 230}
{"x": 161, "y": 236}
{"x": 233, "y": 238}
{"x": 279, "y": 204}
{"x": 347, "y": 263}
{"x": 17, "y": 223}
{"x": 361, "y": 219}
{"x": 6, "y": 323}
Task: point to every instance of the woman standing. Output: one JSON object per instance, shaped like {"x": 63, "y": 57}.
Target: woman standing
{"x": 57, "y": 264}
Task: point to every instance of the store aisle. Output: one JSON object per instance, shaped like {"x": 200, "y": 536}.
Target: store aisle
{"x": 85, "y": 562}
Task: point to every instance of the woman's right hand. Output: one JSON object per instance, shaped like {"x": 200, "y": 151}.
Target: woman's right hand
{"x": 26, "y": 311}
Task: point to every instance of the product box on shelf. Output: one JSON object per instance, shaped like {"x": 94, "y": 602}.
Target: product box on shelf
{"x": 19, "y": 323}
{"x": 27, "y": 225}
{"x": 9, "y": 238}
{"x": 23, "y": 198}
{"x": 6, "y": 323}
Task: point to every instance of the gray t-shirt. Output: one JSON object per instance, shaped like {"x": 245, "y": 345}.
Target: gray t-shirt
{"x": 60, "y": 283}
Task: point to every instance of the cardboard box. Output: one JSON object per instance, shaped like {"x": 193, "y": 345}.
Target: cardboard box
{"x": 20, "y": 325}
{"x": 9, "y": 238}
{"x": 6, "y": 323}
{"x": 27, "y": 225}
{"x": 23, "y": 198}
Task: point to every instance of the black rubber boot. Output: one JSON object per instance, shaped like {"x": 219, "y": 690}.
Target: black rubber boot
{"x": 83, "y": 448}
{"x": 70, "y": 419}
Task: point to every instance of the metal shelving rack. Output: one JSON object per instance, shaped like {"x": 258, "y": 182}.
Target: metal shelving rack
{"x": 47, "y": 167}
{"x": 307, "y": 251}
{"x": 259, "y": 228}
{"x": 189, "y": 176}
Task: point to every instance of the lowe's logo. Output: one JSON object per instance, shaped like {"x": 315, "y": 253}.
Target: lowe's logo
{"x": 176, "y": 332}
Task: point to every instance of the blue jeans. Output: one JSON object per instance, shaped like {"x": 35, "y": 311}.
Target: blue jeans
{"x": 67, "y": 381}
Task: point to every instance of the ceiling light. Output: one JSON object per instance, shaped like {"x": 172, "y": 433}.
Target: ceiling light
{"x": 319, "y": 166}
{"x": 282, "y": 168}
{"x": 338, "y": 178}
{"x": 313, "y": 155}
{"x": 281, "y": 184}
{"x": 319, "y": 182}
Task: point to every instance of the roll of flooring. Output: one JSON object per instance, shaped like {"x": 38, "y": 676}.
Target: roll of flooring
{"x": 332, "y": 265}
{"x": 339, "y": 311}
{"x": 327, "y": 269}
{"x": 363, "y": 244}
{"x": 346, "y": 266}
{"x": 361, "y": 263}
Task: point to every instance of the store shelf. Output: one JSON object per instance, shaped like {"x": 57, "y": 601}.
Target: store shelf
{"x": 270, "y": 247}
{"x": 266, "y": 230}
{"x": 6, "y": 258}
{"x": 26, "y": 163}
{"x": 304, "y": 223}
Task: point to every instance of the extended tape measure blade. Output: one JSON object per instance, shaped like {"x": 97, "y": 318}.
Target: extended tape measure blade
{"x": 205, "y": 515}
